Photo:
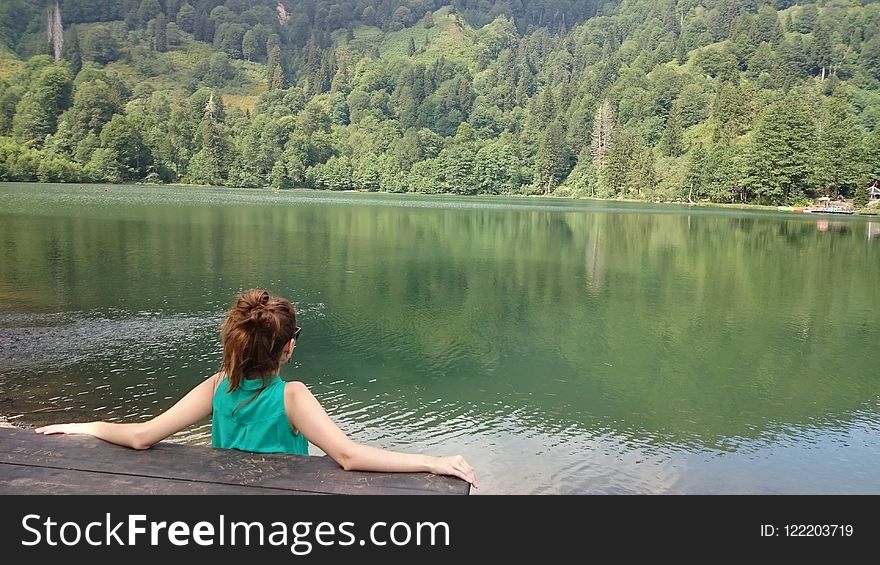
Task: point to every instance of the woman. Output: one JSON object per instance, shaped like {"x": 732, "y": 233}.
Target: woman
{"x": 252, "y": 409}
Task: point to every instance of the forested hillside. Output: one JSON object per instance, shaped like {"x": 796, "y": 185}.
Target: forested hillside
{"x": 763, "y": 101}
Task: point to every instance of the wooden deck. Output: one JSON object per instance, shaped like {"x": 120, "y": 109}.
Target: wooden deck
{"x": 31, "y": 463}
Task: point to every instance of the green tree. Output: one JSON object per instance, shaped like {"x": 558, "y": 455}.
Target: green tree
{"x": 172, "y": 7}
{"x": 160, "y": 30}
{"x": 583, "y": 179}
{"x": 393, "y": 179}
{"x": 314, "y": 118}
{"x": 861, "y": 197}
{"x": 731, "y": 111}
{"x": 216, "y": 71}
{"x": 335, "y": 174}
{"x": 458, "y": 174}
{"x": 681, "y": 50}
{"x": 672, "y": 142}
{"x": 180, "y": 138}
{"x": 408, "y": 149}
{"x": 368, "y": 16}
{"x": 840, "y": 155}
{"x": 126, "y": 147}
{"x": 103, "y": 165}
{"x": 278, "y": 178}
{"x": 497, "y": 167}
{"x": 10, "y": 95}
{"x": 641, "y": 176}
{"x": 872, "y": 154}
{"x": 186, "y": 17}
{"x": 552, "y": 163}
{"x": 780, "y": 157}
{"x": 260, "y": 149}
{"x": 806, "y": 19}
{"x": 721, "y": 172}
{"x": 72, "y": 51}
{"x": 623, "y": 148}
{"x": 367, "y": 173}
{"x": 94, "y": 103}
{"x": 426, "y": 176}
{"x": 694, "y": 183}
{"x": 53, "y": 168}
{"x": 36, "y": 115}
{"x": 147, "y": 10}
{"x": 249, "y": 45}
{"x": 152, "y": 118}
{"x": 766, "y": 26}
{"x": 296, "y": 160}
{"x": 203, "y": 28}
{"x": 273, "y": 64}
{"x": 100, "y": 44}
{"x": 229, "y": 38}
{"x": 210, "y": 164}
{"x": 716, "y": 61}
{"x": 31, "y": 123}
{"x": 871, "y": 56}
{"x": 823, "y": 48}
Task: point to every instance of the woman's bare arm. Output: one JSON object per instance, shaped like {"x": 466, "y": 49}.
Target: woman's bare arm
{"x": 308, "y": 416}
{"x": 192, "y": 408}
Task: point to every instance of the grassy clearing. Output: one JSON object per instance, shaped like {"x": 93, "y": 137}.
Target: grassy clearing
{"x": 243, "y": 102}
{"x": 440, "y": 34}
{"x": 9, "y": 64}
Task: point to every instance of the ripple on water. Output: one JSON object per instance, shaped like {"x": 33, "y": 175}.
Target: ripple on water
{"x": 71, "y": 338}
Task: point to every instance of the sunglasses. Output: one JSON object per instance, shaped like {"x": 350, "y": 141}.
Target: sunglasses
{"x": 296, "y": 331}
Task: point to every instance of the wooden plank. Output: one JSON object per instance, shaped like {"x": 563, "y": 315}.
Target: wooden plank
{"x": 167, "y": 460}
{"x": 27, "y": 479}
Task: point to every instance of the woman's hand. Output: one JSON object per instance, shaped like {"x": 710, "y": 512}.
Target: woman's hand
{"x": 456, "y": 466}
{"x": 63, "y": 429}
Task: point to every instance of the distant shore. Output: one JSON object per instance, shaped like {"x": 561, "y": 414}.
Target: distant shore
{"x": 865, "y": 212}
{"x": 869, "y": 211}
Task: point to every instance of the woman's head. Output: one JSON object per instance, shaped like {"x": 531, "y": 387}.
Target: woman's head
{"x": 254, "y": 335}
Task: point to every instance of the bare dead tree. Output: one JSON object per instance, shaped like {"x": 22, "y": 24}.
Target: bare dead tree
{"x": 55, "y": 30}
{"x": 603, "y": 124}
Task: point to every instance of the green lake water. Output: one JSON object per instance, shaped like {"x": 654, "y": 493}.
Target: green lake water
{"x": 561, "y": 346}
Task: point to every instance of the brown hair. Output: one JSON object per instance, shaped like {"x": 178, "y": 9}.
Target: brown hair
{"x": 253, "y": 334}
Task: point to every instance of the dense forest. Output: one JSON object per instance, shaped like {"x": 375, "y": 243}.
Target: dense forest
{"x": 764, "y": 101}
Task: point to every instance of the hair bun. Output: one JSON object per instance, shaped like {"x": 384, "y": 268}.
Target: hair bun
{"x": 257, "y": 313}
{"x": 253, "y": 307}
{"x": 251, "y": 299}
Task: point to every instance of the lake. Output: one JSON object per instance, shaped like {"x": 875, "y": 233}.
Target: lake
{"x": 561, "y": 346}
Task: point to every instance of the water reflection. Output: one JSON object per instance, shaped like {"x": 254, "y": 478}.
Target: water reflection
{"x": 563, "y": 347}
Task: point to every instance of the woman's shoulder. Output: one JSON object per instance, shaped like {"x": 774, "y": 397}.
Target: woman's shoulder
{"x": 297, "y": 397}
{"x": 293, "y": 389}
{"x": 216, "y": 379}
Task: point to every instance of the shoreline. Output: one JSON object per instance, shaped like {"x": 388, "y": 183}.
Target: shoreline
{"x": 867, "y": 212}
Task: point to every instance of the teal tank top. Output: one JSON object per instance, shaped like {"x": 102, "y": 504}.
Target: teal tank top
{"x": 260, "y": 425}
